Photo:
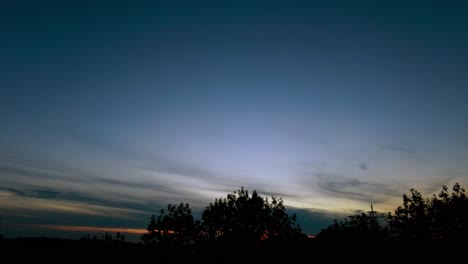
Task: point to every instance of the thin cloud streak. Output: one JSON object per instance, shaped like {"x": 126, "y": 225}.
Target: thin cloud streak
{"x": 10, "y": 201}
{"x": 94, "y": 229}
{"x": 398, "y": 149}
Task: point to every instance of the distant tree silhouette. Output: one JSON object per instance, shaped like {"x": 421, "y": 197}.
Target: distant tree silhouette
{"x": 248, "y": 218}
{"x": 106, "y": 237}
{"x": 120, "y": 237}
{"x": 364, "y": 226}
{"x": 175, "y": 226}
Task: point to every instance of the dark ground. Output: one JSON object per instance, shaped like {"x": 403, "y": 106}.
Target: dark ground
{"x": 25, "y": 249}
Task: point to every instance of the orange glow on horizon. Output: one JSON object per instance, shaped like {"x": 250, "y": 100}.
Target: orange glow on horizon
{"x": 115, "y": 230}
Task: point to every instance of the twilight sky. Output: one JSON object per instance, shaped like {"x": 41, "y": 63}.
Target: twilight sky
{"x": 110, "y": 110}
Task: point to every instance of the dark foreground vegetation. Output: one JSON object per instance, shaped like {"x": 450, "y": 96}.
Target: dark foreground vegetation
{"x": 247, "y": 227}
{"x": 311, "y": 250}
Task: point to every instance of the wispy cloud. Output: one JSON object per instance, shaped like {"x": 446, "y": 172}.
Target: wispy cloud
{"x": 135, "y": 184}
{"x": 363, "y": 166}
{"x": 397, "y": 148}
{"x": 354, "y": 188}
{"x": 156, "y": 162}
{"x": 95, "y": 229}
{"x": 139, "y": 188}
{"x": 338, "y": 191}
{"x": 23, "y": 203}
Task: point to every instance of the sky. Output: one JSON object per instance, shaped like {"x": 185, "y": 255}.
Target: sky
{"x": 110, "y": 110}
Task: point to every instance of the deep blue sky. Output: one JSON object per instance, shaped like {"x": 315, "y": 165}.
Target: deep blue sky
{"x": 111, "y": 110}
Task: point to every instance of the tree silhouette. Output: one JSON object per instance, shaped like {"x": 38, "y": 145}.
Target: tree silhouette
{"x": 411, "y": 220}
{"x": 175, "y": 226}
{"x": 444, "y": 216}
{"x": 450, "y": 213}
{"x": 248, "y": 218}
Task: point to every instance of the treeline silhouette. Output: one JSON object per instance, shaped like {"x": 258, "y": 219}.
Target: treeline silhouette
{"x": 240, "y": 216}
{"x": 106, "y": 237}
{"x": 441, "y": 217}
{"x": 244, "y": 223}
{"x": 248, "y": 226}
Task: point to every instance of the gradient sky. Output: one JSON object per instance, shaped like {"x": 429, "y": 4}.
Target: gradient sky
{"x": 111, "y": 110}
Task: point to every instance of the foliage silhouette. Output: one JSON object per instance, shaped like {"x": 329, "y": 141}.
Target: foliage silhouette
{"x": 175, "y": 226}
{"x": 240, "y": 217}
{"x": 443, "y": 216}
{"x": 249, "y": 218}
